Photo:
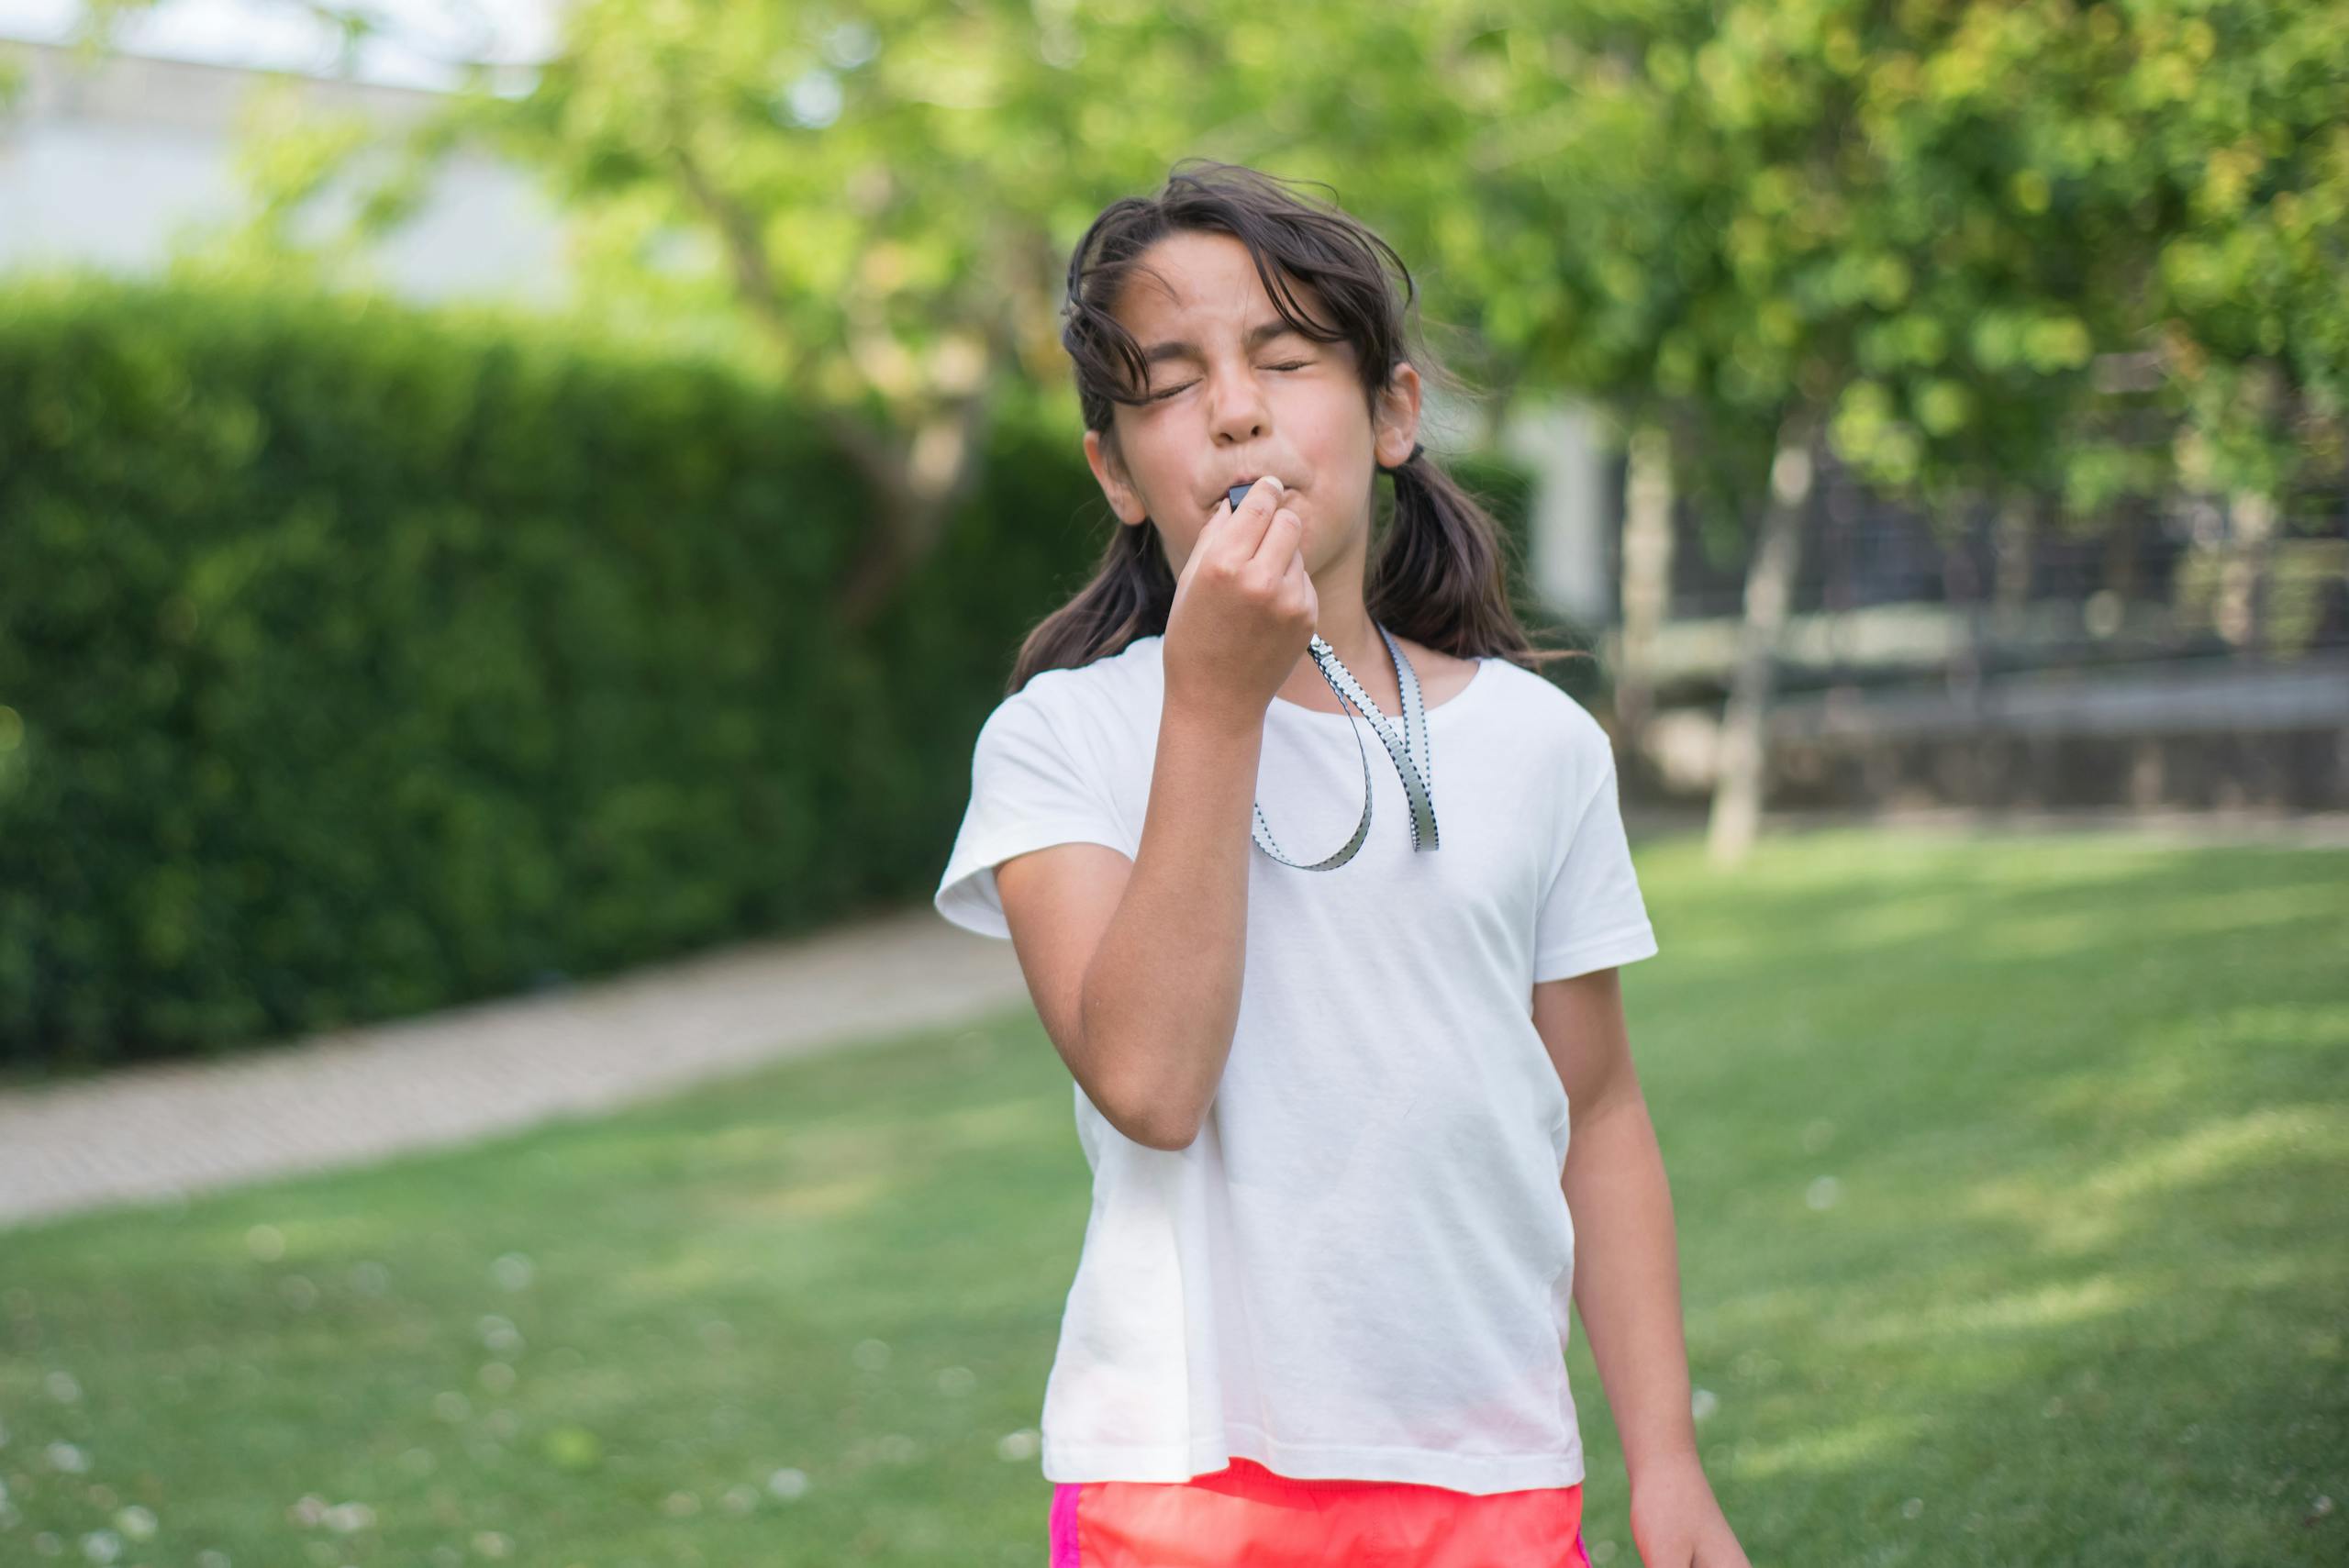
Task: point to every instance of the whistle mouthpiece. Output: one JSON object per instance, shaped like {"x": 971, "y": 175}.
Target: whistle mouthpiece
{"x": 1240, "y": 494}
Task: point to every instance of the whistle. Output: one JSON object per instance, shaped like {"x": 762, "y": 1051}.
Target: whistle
{"x": 1240, "y": 493}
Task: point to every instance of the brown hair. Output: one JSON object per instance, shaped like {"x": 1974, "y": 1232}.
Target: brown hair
{"x": 1441, "y": 578}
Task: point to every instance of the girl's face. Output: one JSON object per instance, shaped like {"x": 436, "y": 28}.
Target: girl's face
{"x": 1235, "y": 394}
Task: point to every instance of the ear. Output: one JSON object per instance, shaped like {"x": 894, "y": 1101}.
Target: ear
{"x": 1398, "y": 427}
{"x": 1122, "y": 497}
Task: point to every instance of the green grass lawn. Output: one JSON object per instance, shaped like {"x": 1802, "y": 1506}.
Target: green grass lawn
{"x": 2013, "y": 1177}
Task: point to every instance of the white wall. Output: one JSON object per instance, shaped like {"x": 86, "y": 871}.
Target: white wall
{"x": 107, "y": 166}
{"x": 1574, "y": 512}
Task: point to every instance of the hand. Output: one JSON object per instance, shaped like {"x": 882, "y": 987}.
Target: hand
{"x": 1245, "y": 608}
{"x": 1676, "y": 1523}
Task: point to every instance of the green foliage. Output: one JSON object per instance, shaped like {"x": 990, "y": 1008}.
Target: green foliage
{"x": 1963, "y": 232}
{"x": 1989, "y": 248}
{"x": 356, "y": 660}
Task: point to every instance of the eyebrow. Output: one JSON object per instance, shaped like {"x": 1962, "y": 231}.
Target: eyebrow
{"x": 1258, "y": 335}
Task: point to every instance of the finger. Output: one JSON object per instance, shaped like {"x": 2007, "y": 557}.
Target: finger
{"x": 1281, "y": 537}
{"x": 1296, "y": 580}
{"x": 1255, "y": 516}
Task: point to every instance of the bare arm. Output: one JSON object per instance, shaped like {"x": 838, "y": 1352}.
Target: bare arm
{"x": 1627, "y": 1275}
{"x": 1136, "y": 965}
{"x": 1145, "y": 1024}
{"x": 1171, "y": 1006}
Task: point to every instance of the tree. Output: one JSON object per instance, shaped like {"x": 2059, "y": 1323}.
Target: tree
{"x": 1904, "y": 234}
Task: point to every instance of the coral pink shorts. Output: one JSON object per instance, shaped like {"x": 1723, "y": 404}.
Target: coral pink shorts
{"x": 1247, "y": 1517}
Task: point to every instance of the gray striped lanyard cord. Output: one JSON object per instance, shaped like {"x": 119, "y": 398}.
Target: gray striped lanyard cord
{"x": 1413, "y": 759}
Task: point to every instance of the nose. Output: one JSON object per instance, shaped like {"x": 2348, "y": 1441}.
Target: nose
{"x": 1239, "y": 411}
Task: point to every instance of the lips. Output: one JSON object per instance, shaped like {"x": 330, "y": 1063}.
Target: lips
{"x": 1239, "y": 493}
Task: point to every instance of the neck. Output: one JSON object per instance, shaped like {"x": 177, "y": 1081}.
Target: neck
{"x": 1343, "y": 622}
{"x": 1346, "y": 628}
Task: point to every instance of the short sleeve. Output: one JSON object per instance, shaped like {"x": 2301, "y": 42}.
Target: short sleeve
{"x": 1592, "y": 916}
{"x": 1028, "y": 790}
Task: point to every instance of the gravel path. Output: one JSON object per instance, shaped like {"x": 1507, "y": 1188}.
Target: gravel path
{"x": 156, "y": 1132}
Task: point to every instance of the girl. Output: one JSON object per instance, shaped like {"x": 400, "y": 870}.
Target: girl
{"x": 1327, "y": 1086}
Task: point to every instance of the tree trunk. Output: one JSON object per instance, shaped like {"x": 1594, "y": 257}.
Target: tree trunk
{"x": 1769, "y": 586}
{"x": 1646, "y": 579}
{"x": 2013, "y": 567}
{"x": 2242, "y": 609}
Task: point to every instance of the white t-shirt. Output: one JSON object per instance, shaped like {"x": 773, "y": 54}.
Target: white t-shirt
{"x": 1361, "y": 1267}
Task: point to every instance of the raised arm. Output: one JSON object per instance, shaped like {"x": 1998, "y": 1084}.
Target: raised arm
{"x": 1136, "y": 966}
{"x": 1144, "y": 1019}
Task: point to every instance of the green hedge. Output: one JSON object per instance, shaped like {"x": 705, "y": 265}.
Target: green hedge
{"x": 357, "y": 661}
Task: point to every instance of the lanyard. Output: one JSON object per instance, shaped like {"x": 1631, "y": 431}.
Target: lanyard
{"x": 1413, "y": 759}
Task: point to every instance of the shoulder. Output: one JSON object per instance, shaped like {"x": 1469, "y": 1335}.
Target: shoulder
{"x": 1110, "y": 682}
{"x": 1547, "y": 713}
{"x": 1083, "y": 703}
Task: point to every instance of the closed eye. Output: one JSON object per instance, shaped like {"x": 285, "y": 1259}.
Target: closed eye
{"x": 1160, "y": 396}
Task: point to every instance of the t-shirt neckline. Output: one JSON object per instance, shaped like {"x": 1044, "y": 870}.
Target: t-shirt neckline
{"x": 1348, "y": 715}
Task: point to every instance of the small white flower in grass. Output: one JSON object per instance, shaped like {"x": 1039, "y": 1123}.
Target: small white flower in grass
{"x": 870, "y": 1356}
{"x": 63, "y": 1387}
{"x": 67, "y": 1460}
{"x": 101, "y": 1546}
{"x": 345, "y": 1518}
{"x": 499, "y": 1334}
{"x": 788, "y": 1482}
{"x": 308, "y": 1510}
{"x": 448, "y": 1557}
{"x": 452, "y": 1406}
{"x": 370, "y": 1278}
{"x": 513, "y": 1271}
{"x": 266, "y": 1243}
{"x": 742, "y": 1497}
{"x": 492, "y": 1543}
{"x": 1015, "y": 1445}
{"x": 211, "y": 1557}
{"x": 1702, "y": 1403}
{"x": 957, "y": 1380}
{"x": 681, "y": 1504}
{"x": 298, "y": 1292}
{"x": 496, "y": 1376}
{"x": 137, "y": 1523}
{"x": 1912, "y": 1508}
{"x": 1823, "y": 1193}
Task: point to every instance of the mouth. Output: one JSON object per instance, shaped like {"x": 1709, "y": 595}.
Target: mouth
{"x": 1239, "y": 493}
